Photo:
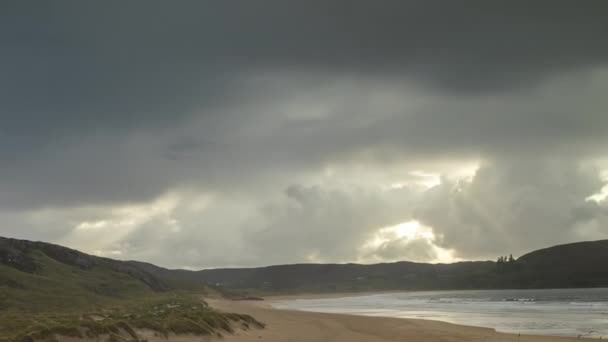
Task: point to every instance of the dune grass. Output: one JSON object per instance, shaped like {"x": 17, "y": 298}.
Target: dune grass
{"x": 43, "y": 298}
{"x": 170, "y": 313}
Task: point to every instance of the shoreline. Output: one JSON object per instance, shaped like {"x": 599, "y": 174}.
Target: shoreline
{"x": 280, "y": 297}
{"x": 306, "y": 326}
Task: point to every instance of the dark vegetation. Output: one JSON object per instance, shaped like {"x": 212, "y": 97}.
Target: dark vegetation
{"x": 582, "y": 264}
{"x": 48, "y": 290}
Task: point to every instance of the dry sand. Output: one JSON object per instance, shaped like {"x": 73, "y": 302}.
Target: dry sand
{"x": 300, "y": 326}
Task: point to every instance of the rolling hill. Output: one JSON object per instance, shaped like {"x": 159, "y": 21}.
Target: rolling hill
{"x": 581, "y": 264}
{"x": 58, "y": 276}
{"x": 37, "y": 275}
{"x": 48, "y": 291}
{"x": 42, "y": 276}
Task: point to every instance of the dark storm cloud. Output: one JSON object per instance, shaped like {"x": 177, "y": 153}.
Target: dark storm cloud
{"x": 107, "y": 104}
{"x": 284, "y": 127}
{"x": 112, "y": 46}
{"x": 70, "y": 66}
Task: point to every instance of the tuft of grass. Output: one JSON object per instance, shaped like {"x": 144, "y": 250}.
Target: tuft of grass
{"x": 171, "y": 313}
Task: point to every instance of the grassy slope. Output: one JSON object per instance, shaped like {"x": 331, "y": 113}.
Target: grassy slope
{"x": 45, "y": 289}
{"x": 57, "y": 286}
{"x": 48, "y": 290}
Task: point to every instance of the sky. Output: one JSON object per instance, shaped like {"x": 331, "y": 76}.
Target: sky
{"x": 198, "y": 134}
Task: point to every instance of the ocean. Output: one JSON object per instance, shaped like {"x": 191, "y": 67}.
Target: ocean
{"x": 561, "y": 312}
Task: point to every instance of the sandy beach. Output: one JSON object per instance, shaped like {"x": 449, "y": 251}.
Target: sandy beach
{"x": 300, "y": 326}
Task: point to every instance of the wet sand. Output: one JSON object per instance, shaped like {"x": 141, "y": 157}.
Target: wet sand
{"x": 300, "y": 326}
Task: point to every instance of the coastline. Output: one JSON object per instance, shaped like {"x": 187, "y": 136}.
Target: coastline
{"x": 276, "y": 298}
{"x": 303, "y": 326}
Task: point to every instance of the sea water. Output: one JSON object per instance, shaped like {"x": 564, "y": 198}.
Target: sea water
{"x": 565, "y": 312}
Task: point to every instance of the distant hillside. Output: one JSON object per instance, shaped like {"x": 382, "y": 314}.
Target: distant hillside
{"x": 580, "y": 264}
{"x": 48, "y": 291}
{"x": 37, "y": 272}
{"x": 350, "y": 277}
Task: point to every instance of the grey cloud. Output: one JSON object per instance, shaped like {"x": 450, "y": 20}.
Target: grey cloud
{"x": 514, "y": 206}
{"x": 509, "y": 206}
{"x": 320, "y": 224}
{"x": 83, "y": 82}
{"x": 71, "y": 66}
{"x": 118, "y": 103}
{"x": 445, "y": 42}
{"x": 283, "y": 130}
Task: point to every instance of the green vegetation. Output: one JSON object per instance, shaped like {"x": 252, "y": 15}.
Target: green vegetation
{"x": 56, "y": 286}
{"x": 171, "y": 313}
{"x": 571, "y": 265}
{"x": 48, "y": 291}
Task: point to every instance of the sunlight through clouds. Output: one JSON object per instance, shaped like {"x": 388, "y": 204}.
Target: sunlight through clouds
{"x": 99, "y": 235}
{"x": 405, "y": 241}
